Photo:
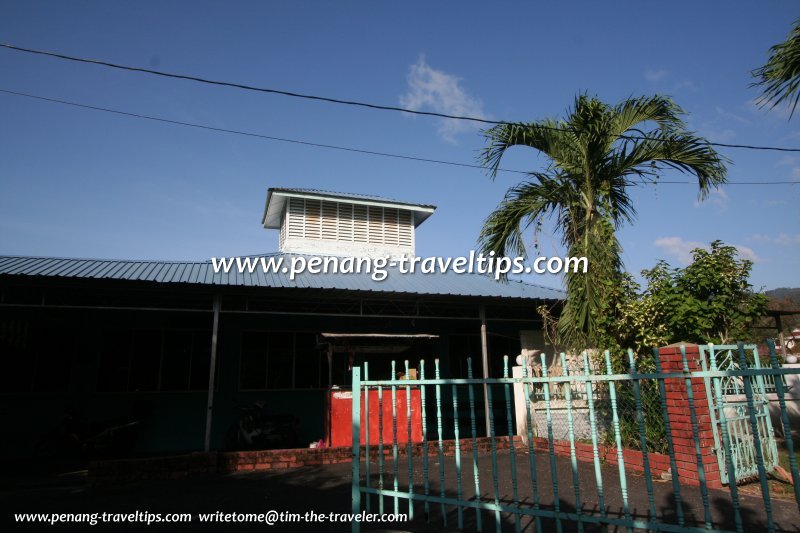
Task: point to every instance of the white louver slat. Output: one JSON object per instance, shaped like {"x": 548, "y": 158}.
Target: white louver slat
{"x": 371, "y": 229}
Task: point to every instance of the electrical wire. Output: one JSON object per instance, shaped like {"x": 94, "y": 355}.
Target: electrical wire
{"x": 321, "y": 145}
{"x": 347, "y": 102}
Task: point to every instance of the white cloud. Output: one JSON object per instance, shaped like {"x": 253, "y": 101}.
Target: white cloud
{"x": 717, "y": 198}
{"x": 678, "y": 248}
{"x": 681, "y": 249}
{"x": 436, "y": 90}
{"x": 685, "y": 84}
{"x": 781, "y": 240}
{"x": 721, "y": 126}
{"x": 793, "y": 164}
{"x": 654, "y": 76}
{"x": 747, "y": 253}
{"x": 725, "y": 114}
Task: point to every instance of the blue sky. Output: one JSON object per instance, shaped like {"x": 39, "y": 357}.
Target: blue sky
{"x": 80, "y": 183}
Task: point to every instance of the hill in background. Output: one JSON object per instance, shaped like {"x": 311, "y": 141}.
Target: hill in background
{"x": 785, "y": 298}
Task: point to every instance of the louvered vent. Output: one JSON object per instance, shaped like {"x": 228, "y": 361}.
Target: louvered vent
{"x": 360, "y": 232}
{"x": 332, "y": 221}
{"x": 282, "y": 238}
{"x": 405, "y": 229}
{"x": 296, "y": 218}
{"x": 313, "y": 229}
{"x": 346, "y": 232}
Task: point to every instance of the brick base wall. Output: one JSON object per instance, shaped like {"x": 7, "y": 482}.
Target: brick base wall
{"x": 633, "y": 459}
{"x": 180, "y": 466}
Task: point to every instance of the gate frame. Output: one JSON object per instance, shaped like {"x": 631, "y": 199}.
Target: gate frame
{"x": 757, "y": 399}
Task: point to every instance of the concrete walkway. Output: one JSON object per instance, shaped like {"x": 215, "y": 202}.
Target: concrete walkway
{"x": 326, "y": 489}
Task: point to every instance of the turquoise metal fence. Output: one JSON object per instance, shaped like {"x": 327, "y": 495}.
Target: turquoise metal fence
{"x": 545, "y": 484}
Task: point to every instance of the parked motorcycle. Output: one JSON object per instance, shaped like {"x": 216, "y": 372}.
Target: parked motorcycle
{"x": 257, "y": 430}
{"x": 76, "y": 439}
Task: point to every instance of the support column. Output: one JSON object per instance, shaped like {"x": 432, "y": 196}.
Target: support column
{"x": 485, "y": 359}
{"x": 680, "y": 419}
{"x": 212, "y": 372}
{"x": 779, "y": 326}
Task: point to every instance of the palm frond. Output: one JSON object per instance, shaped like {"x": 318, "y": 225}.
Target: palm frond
{"x": 779, "y": 78}
{"x": 629, "y": 114}
{"x": 523, "y": 205}
{"x": 682, "y": 151}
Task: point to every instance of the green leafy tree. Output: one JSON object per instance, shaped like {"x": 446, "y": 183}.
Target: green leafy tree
{"x": 593, "y": 156}
{"x": 711, "y": 300}
{"x": 779, "y": 78}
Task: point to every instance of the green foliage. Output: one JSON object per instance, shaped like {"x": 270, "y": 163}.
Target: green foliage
{"x": 654, "y": 427}
{"x": 779, "y": 78}
{"x": 594, "y": 155}
{"x": 708, "y": 301}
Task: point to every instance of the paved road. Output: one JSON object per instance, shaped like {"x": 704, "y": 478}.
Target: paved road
{"x": 327, "y": 489}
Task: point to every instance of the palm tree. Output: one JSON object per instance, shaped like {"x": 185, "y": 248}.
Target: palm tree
{"x": 780, "y": 77}
{"x": 594, "y": 156}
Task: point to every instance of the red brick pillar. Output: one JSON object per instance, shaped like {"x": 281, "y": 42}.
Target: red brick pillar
{"x": 680, "y": 418}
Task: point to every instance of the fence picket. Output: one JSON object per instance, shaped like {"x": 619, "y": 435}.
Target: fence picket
{"x": 623, "y": 480}
{"x": 458, "y": 458}
{"x": 762, "y": 472}
{"x": 473, "y": 424}
{"x": 551, "y": 449}
{"x": 731, "y": 468}
{"x": 701, "y": 471}
{"x": 576, "y": 482}
{"x": 441, "y": 440}
{"x": 598, "y": 473}
{"x": 425, "y": 479}
{"x": 787, "y": 428}
{"x": 409, "y": 453}
{"x": 673, "y": 465}
{"x": 512, "y": 451}
{"x": 366, "y": 433}
{"x": 637, "y": 395}
{"x": 380, "y": 449}
{"x": 395, "y": 457}
{"x": 531, "y": 451}
{"x": 495, "y": 482}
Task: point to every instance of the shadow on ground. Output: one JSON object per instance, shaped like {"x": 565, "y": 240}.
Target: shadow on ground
{"x": 327, "y": 489}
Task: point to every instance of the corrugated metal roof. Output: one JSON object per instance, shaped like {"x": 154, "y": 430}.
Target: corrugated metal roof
{"x": 202, "y": 273}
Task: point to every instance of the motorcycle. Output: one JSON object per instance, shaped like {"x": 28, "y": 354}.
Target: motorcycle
{"x": 257, "y": 430}
{"x": 76, "y": 439}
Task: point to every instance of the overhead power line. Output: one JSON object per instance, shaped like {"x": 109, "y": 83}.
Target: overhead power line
{"x": 342, "y": 101}
{"x": 327, "y": 146}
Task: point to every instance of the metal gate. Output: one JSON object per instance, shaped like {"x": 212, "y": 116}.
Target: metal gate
{"x": 488, "y": 479}
{"x": 739, "y": 398}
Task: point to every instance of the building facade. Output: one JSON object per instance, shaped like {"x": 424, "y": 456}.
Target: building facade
{"x": 175, "y": 348}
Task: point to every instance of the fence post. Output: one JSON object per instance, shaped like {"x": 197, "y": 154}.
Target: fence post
{"x": 356, "y": 489}
{"x": 678, "y": 412}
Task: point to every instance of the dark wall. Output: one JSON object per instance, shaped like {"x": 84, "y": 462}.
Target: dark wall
{"x": 58, "y": 363}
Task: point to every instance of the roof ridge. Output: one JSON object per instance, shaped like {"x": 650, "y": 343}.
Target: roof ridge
{"x": 104, "y": 260}
{"x": 355, "y": 196}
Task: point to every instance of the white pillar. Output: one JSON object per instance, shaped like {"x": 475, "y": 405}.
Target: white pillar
{"x": 485, "y": 358}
